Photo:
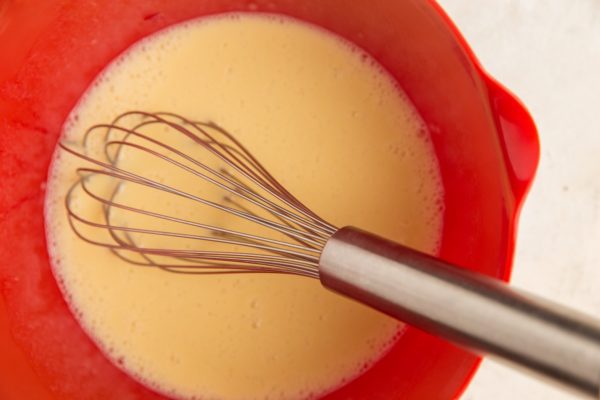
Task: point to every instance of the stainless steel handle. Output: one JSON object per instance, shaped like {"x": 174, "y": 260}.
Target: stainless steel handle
{"x": 475, "y": 311}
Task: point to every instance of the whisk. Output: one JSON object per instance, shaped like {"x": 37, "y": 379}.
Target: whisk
{"x": 274, "y": 232}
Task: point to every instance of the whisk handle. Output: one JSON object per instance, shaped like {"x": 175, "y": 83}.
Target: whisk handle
{"x": 470, "y": 309}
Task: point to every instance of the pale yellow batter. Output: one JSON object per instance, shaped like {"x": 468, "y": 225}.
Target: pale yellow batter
{"x": 333, "y": 128}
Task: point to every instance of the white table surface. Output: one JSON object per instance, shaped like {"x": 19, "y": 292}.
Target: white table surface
{"x": 548, "y": 53}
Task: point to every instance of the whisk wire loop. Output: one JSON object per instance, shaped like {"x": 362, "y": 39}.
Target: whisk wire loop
{"x": 291, "y": 236}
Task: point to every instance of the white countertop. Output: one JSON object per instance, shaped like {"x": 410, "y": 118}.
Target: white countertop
{"x": 548, "y": 53}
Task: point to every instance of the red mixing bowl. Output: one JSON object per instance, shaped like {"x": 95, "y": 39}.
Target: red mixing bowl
{"x": 51, "y": 50}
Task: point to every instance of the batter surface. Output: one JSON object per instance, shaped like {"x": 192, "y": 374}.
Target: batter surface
{"x": 325, "y": 120}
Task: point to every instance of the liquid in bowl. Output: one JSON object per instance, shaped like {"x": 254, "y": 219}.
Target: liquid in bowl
{"x": 319, "y": 113}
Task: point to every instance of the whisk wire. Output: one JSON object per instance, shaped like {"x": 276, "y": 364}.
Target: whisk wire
{"x": 233, "y": 161}
{"x": 246, "y": 185}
